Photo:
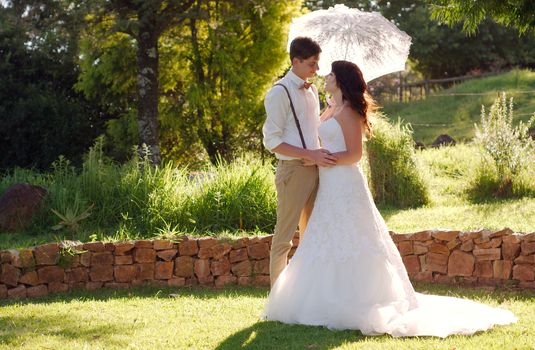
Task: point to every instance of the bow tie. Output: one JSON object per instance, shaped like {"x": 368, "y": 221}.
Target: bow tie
{"x": 305, "y": 85}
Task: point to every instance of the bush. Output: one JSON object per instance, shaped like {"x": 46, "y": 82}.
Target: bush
{"x": 394, "y": 176}
{"x": 507, "y": 154}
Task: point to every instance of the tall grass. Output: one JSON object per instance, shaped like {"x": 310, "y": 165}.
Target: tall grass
{"x": 136, "y": 200}
{"x": 507, "y": 167}
{"x": 395, "y": 177}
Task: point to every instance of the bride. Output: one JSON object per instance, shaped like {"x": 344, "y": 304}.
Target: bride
{"x": 347, "y": 273}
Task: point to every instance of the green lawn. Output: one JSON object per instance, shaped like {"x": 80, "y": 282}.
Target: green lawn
{"x": 195, "y": 318}
{"x": 456, "y": 115}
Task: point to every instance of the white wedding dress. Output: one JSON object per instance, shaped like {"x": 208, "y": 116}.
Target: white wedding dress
{"x": 347, "y": 272}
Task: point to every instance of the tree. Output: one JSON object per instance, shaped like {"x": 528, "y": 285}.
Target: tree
{"x": 145, "y": 21}
{"x": 215, "y": 68}
{"x": 519, "y": 14}
{"x": 41, "y": 115}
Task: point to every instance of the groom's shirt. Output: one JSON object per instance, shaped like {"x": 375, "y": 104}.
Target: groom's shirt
{"x": 280, "y": 124}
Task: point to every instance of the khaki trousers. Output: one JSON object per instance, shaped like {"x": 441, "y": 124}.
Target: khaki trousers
{"x": 297, "y": 186}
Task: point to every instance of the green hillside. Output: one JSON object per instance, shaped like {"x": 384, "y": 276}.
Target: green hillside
{"x": 456, "y": 115}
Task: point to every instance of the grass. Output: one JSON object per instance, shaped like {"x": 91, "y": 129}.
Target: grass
{"x": 195, "y": 318}
{"x": 456, "y": 115}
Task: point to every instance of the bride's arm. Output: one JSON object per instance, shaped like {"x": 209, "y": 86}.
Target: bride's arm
{"x": 351, "y": 124}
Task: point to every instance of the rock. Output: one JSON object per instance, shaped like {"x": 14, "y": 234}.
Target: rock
{"x": 467, "y": 246}
{"x": 423, "y": 276}
{"x": 18, "y": 292}
{"x": 419, "y": 145}
{"x": 222, "y": 281}
{"x": 117, "y": 285}
{"x": 399, "y": 237}
{"x": 123, "y": 248}
{"x": 238, "y": 255}
{"x": 261, "y": 281}
{"x": 57, "y": 287}
{"x": 488, "y": 254}
{"x": 18, "y": 205}
{"x": 144, "y": 255}
{"x": 205, "y": 253}
{"x": 453, "y": 244}
{"x": 445, "y": 235}
{"x": 206, "y": 281}
{"x": 242, "y": 281}
{"x": 27, "y": 259}
{"x": 10, "y": 275}
{"x": 261, "y": 267}
{"x": 163, "y": 270}
{"x": 258, "y": 251}
{"x": 525, "y": 260}
{"x": 239, "y": 243}
{"x": 221, "y": 250}
{"x": 443, "y": 279}
{"x": 3, "y": 291}
{"x": 188, "y": 248}
{"x": 145, "y": 271}
{"x": 163, "y": 244}
{"x": 419, "y": 248}
{"x": 514, "y": 238}
{"x": 439, "y": 248}
{"x": 30, "y": 278}
{"x": 527, "y": 248}
{"x": 405, "y": 248}
{"x": 443, "y": 140}
{"x": 505, "y": 232}
{"x": 483, "y": 268}
{"x": 502, "y": 269}
{"x": 37, "y": 291}
{"x": 101, "y": 273}
{"x": 420, "y": 236}
{"x": 184, "y": 266}
{"x": 492, "y": 243}
{"x": 167, "y": 255}
{"x": 46, "y": 254}
{"x": 102, "y": 258}
{"x": 510, "y": 250}
{"x": 243, "y": 268}
{"x": 123, "y": 260}
{"x": 76, "y": 275}
{"x": 144, "y": 244}
{"x": 220, "y": 267}
{"x": 460, "y": 264}
{"x": 206, "y": 242}
{"x": 93, "y": 285}
{"x": 125, "y": 273}
{"x": 524, "y": 272}
{"x": 202, "y": 268}
{"x": 96, "y": 247}
{"x": 412, "y": 264}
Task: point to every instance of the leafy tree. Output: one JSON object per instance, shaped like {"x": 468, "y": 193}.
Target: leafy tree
{"x": 41, "y": 115}
{"x": 519, "y": 14}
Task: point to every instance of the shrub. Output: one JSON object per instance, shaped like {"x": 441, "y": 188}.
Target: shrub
{"x": 394, "y": 176}
{"x": 507, "y": 154}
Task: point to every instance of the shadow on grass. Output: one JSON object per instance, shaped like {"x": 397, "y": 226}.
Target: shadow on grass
{"x": 62, "y": 326}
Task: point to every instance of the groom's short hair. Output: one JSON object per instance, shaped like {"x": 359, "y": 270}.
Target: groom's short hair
{"x": 304, "y": 48}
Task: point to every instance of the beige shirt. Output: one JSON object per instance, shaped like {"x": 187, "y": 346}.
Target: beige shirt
{"x": 280, "y": 124}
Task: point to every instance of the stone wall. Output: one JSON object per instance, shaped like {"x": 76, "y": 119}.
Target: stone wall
{"x": 473, "y": 258}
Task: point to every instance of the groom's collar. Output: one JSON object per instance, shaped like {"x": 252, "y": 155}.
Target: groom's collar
{"x": 295, "y": 79}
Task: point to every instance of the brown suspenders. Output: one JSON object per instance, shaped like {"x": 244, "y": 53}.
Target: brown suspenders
{"x": 295, "y": 115}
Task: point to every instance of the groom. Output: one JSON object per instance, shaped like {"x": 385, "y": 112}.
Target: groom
{"x": 291, "y": 133}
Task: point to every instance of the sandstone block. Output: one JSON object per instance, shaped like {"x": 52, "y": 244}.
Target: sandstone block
{"x": 261, "y": 267}
{"x": 238, "y": 255}
{"x": 144, "y": 255}
{"x": 221, "y": 250}
{"x": 514, "y": 238}
{"x": 18, "y": 292}
{"x": 176, "y": 282}
{"x": 93, "y": 285}
{"x": 101, "y": 273}
{"x": 78, "y": 274}
{"x": 420, "y": 236}
{"x": 30, "y": 278}
{"x": 207, "y": 242}
{"x": 524, "y": 272}
{"x": 243, "y": 268}
{"x": 117, "y": 285}
{"x": 46, "y": 254}
{"x": 37, "y": 291}
{"x": 144, "y": 244}
{"x": 123, "y": 248}
{"x": 145, "y": 271}
{"x": 527, "y": 248}
{"x": 525, "y": 260}
{"x": 123, "y": 260}
{"x": 163, "y": 244}
{"x": 439, "y": 248}
{"x": 412, "y": 264}
{"x": 57, "y": 287}
{"x": 467, "y": 246}
{"x": 188, "y": 248}
{"x": 460, "y": 264}
{"x": 220, "y": 267}
{"x": 125, "y": 273}
{"x": 445, "y": 235}
{"x": 405, "y": 248}
{"x": 95, "y": 247}
{"x": 483, "y": 268}
{"x": 184, "y": 266}
{"x": 167, "y": 255}
{"x": 10, "y": 275}
{"x": 258, "y": 251}
{"x": 261, "y": 281}
{"x": 510, "y": 250}
{"x": 206, "y": 280}
{"x": 222, "y": 281}
{"x": 163, "y": 270}
{"x": 502, "y": 269}
{"x": 50, "y": 274}
{"x": 205, "y": 253}
{"x": 85, "y": 259}
{"x": 102, "y": 258}
{"x": 202, "y": 268}
{"x": 488, "y": 254}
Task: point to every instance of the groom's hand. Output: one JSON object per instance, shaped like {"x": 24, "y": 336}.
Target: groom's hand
{"x": 322, "y": 157}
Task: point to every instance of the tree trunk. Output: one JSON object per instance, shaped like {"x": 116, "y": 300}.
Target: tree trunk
{"x": 148, "y": 85}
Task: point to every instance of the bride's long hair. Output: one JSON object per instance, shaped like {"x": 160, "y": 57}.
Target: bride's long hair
{"x": 355, "y": 90}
